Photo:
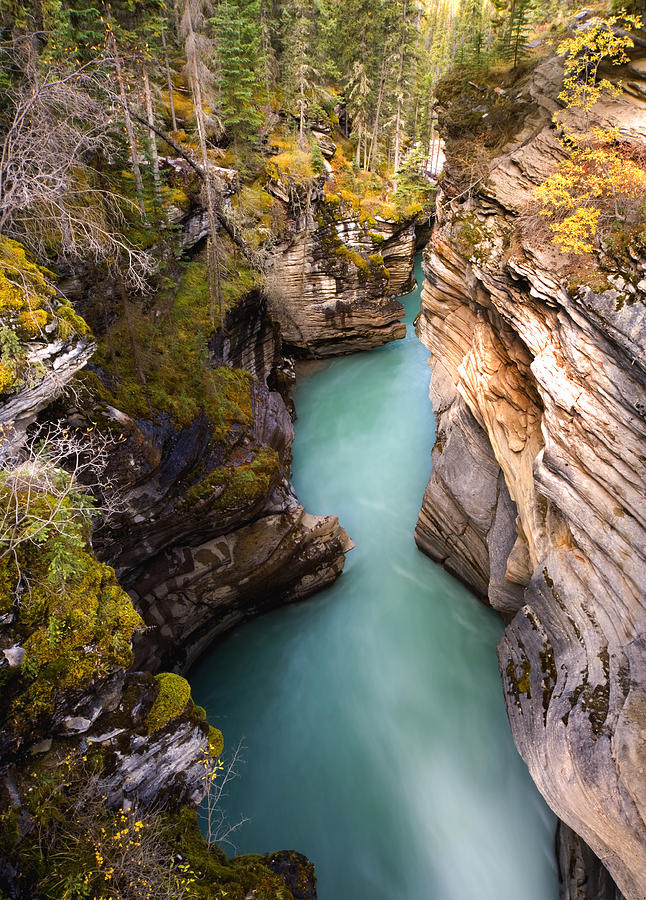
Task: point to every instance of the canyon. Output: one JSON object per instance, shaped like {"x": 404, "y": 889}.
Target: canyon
{"x": 535, "y": 501}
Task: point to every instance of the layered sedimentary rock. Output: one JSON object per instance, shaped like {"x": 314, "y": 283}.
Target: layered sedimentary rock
{"x": 537, "y": 493}
{"x": 210, "y": 531}
{"x": 335, "y": 280}
{"x": 51, "y": 367}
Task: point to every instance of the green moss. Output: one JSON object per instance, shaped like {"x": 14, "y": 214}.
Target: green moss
{"x": 548, "y": 668}
{"x": 174, "y": 376}
{"x": 31, "y": 323}
{"x": 70, "y": 323}
{"x": 294, "y": 162}
{"x": 175, "y": 196}
{"x": 24, "y": 286}
{"x": 70, "y": 615}
{"x": 523, "y": 682}
{"x": 172, "y": 699}
{"x": 28, "y": 306}
{"x": 593, "y": 278}
{"x": 519, "y": 684}
{"x": 335, "y": 247}
{"x": 7, "y": 377}
{"x": 469, "y": 237}
{"x": 235, "y": 486}
{"x": 216, "y": 742}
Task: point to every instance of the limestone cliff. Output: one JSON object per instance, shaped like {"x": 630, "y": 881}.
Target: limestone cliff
{"x": 536, "y": 497}
{"x": 336, "y": 276}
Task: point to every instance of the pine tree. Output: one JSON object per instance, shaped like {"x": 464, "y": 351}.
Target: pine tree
{"x": 512, "y": 23}
{"x": 238, "y": 33}
{"x": 299, "y": 74}
{"x": 198, "y": 46}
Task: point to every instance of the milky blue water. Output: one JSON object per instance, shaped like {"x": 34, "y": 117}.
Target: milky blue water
{"x": 375, "y": 731}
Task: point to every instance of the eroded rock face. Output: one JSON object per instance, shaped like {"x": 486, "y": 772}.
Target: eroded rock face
{"x": 536, "y": 498}
{"x": 51, "y": 367}
{"x": 335, "y": 281}
{"x": 191, "y": 594}
{"x": 582, "y": 876}
{"x": 196, "y": 560}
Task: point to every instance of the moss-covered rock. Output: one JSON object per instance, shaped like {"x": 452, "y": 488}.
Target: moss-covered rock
{"x": 173, "y": 696}
{"x": 67, "y": 612}
{"x": 30, "y": 311}
{"x": 236, "y": 486}
{"x": 149, "y": 375}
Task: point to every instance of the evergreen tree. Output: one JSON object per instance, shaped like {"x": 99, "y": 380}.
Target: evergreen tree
{"x": 512, "y": 22}
{"x": 240, "y": 65}
{"x": 299, "y": 76}
{"x": 200, "y": 47}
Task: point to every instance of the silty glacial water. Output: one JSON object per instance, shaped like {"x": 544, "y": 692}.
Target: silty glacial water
{"x": 373, "y": 719}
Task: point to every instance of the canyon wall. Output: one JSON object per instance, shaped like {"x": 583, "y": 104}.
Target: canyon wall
{"x": 336, "y": 277}
{"x": 210, "y": 531}
{"x": 536, "y": 499}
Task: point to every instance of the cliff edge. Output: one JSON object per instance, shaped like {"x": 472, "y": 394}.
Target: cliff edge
{"x": 536, "y": 497}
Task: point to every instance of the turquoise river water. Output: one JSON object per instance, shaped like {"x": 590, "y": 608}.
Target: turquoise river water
{"x": 373, "y": 719}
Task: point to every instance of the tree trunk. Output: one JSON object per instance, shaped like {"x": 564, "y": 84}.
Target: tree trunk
{"x": 171, "y": 99}
{"x": 301, "y": 105}
{"x": 380, "y": 96}
{"x": 400, "y": 75}
{"x": 154, "y": 156}
{"x": 215, "y": 294}
{"x": 130, "y": 131}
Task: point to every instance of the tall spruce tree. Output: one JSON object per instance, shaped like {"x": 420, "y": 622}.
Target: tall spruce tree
{"x": 238, "y": 35}
{"x": 299, "y": 75}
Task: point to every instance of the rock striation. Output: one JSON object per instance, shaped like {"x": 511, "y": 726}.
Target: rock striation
{"x": 336, "y": 277}
{"x": 210, "y": 531}
{"x": 51, "y": 367}
{"x": 536, "y": 497}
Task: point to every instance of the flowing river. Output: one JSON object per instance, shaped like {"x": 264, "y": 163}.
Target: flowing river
{"x": 372, "y": 715}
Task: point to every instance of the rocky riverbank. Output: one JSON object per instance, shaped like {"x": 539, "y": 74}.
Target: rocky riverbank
{"x": 204, "y": 529}
{"x": 536, "y": 496}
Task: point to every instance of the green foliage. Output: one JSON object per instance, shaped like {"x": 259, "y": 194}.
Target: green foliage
{"x": 173, "y": 696}
{"x": 415, "y": 194}
{"x": 69, "y": 614}
{"x": 79, "y": 848}
{"x": 175, "y": 376}
{"x": 240, "y": 55}
{"x": 512, "y": 22}
{"x": 317, "y": 159}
